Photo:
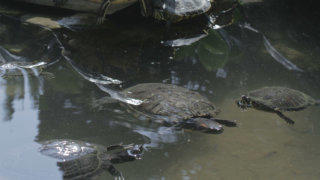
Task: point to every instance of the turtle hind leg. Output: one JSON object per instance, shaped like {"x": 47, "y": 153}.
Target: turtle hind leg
{"x": 287, "y": 119}
{"x": 317, "y": 103}
{"x": 228, "y": 123}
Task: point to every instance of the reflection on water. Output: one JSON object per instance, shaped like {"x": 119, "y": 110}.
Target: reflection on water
{"x": 220, "y": 64}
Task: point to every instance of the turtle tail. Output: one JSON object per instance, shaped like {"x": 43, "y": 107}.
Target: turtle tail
{"x": 317, "y": 102}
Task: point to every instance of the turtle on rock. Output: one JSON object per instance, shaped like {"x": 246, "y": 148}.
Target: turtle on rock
{"x": 82, "y": 160}
{"x": 277, "y": 100}
{"x": 172, "y": 105}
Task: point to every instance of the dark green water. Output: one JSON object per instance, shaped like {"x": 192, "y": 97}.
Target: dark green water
{"x": 222, "y": 65}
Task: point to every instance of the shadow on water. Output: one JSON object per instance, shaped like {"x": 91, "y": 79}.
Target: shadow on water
{"x": 220, "y": 64}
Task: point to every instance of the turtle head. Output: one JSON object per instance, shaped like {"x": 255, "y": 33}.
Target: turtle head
{"x": 135, "y": 151}
{"x": 129, "y": 153}
{"x": 244, "y": 102}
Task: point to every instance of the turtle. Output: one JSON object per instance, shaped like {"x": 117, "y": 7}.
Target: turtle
{"x": 173, "y": 105}
{"x": 174, "y": 10}
{"x": 82, "y": 160}
{"x": 277, "y": 100}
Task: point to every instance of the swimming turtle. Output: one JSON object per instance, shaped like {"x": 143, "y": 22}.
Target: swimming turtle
{"x": 81, "y": 160}
{"x": 173, "y": 105}
{"x": 277, "y": 100}
{"x": 174, "y": 10}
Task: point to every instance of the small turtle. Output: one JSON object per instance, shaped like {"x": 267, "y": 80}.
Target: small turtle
{"x": 173, "y": 105}
{"x": 174, "y": 10}
{"x": 81, "y": 160}
{"x": 277, "y": 100}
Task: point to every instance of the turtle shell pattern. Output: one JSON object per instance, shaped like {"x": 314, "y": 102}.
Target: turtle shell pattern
{"x": 281, "y": 98}
{"x": 170, "y": 102}
{"x": 78, "y": 159}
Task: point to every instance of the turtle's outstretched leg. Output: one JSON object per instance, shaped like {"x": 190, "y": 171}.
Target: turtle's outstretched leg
{"x": 228, "y": 123}
{"x": 288, "y": 120}
{"x": 103, "y": 11}
{"x": 114, "y": 172}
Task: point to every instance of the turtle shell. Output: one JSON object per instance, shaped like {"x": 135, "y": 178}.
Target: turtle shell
{"x": 180, "y": 9}
{"x": 281, "y": 98}
{"x": 170, "y": 102}
{"x": 78, "y": 159}
{"x": 66, "y": 149}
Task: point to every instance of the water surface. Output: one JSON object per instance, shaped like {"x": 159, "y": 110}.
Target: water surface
{"x": 257, "y": 51}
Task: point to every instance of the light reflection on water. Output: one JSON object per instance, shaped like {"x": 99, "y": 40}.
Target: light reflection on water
{"x": 35, "y": 109}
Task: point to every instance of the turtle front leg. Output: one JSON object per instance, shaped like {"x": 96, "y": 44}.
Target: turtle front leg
{"x": 114, "y": 172}
{"x": 287, "y": 119}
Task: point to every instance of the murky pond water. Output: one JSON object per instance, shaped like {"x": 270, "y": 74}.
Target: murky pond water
{"x": 222, "y": 64}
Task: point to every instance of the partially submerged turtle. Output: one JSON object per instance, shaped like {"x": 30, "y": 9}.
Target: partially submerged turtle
{"x": 81, "y": 160}
{"x": 174, "y": 10}
{"x": 277, "y": 100}
{"x": 174, "y": 106}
